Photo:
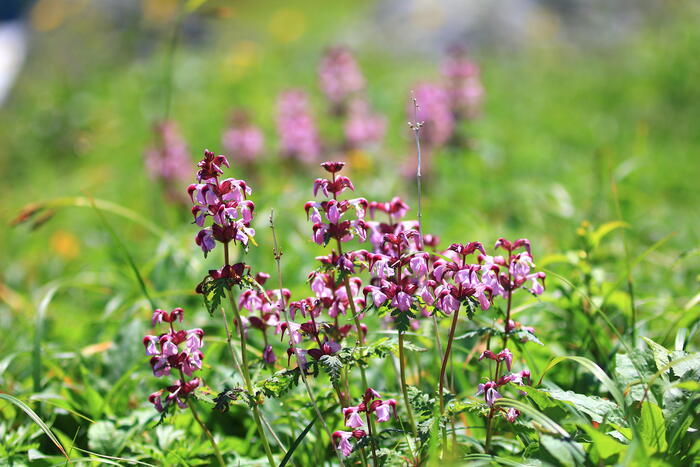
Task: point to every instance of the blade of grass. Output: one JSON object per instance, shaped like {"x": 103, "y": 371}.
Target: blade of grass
{"x": 39, "y": 334}
{"x": 300, "y": 438}
{"x": 127, "y": 255}
{"x": 44, "y": 427}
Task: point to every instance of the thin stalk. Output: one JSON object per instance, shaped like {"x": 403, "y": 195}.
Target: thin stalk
{"x": 356, "y": 319}
{"x": 234, "y": 357}
{"x": 404, "y": 387}
{"x": 248, "y": 382}
{"x": 243, "y": 369}
{"x": 489, "y": 420}
{"x": 206, "y": 432}
{"x": 199, "y": 420}
{"x": 628, "y": 270}
{"x": 371, "y": 437}
{"x": 443, "y": 368}
{"x": 278, "y": 256}
{"x": 492, "y": 412}
{"x": 415, "y": 126}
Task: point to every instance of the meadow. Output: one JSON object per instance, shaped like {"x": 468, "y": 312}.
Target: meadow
{"x": 589, "y": 151}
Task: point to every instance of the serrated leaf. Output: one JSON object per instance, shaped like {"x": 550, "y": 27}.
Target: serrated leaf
{"x": 525, "y": 336}
{"x": 333, "y": 366}
{"x": 479, "y": 332}
{"x": 280, "y": 383}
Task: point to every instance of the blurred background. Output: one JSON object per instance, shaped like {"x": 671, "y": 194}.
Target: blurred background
{"x": 578, "y": 114}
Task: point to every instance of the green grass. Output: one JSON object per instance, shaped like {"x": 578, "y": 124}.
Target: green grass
{"x": 568, "y": 134}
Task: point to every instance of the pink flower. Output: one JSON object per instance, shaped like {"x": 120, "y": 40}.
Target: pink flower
{"x": 242, "y": 139}
{"x": 363, "y": 127}
{"x": 169, "y": 159}
{"x": 269, "y": 355}
{"x": 385, "y": 409}
{"x": 343, "y": 440}
{"x": 435, "y": 113}
{"x": 489, "y": 391}
{"x": 352, "y": 417}
{"x": 463, "y": 84}
{"x": 512, "y": 414}
{"x": 339, "y": 75}
{"x": 296, "y": 128}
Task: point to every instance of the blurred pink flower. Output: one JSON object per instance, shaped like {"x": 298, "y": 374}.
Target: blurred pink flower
{"x": 242, "y": 140}
{"x": 296, "y": 128}
{"x": 338, "y": 74}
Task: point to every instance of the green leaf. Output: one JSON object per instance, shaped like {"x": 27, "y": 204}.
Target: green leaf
{"x": 167, "y": 436}
{"x": 566, "y": 451}
{"x": 604, "y": 230}
{"x": 543, "y": 399}
{"x": 280, "y": 383}
{"x": 479, "y": 332}
{"x": 44, "y": 427}
{"x": 104, "y": 437}
{"x": 333, "y": 366}
{"x": 213, "y": 292}
{"x": 661, "y": 355}
{"x": 297, "y": 441}
{"x": 597, "y": 372}
{"x": 605, "y": 445}
{"x": 652, "y": 427}
{"x": 597, "y": 408}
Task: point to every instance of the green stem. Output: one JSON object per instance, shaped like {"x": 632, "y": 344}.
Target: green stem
{"x": 443, "y": 368}
{"x": 371, "y": 438}
{"x": 404, "y": 387}
{"x": 249, "y": 384}
{"x": 277, "y": 253}
{"x": 206, "y": 432}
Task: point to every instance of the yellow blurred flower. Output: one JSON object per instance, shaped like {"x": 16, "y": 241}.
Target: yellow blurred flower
{"x": 64, "y": 244}
{"x": 287, "y": 25}
{"x": 159, "y": 11}
{"x": 245, "y": 54}
{"x": 50, "y": 14}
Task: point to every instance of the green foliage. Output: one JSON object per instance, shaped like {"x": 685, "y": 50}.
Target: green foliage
{"x": 280, "y": 383}
{"x": 333, "y": 366}
{"x": 213, "y": 292}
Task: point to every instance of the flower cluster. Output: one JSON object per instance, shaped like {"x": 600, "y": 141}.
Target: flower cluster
{"x": 435, "y": 113}
{"x": 224, "y": 201}
{"x": 327, "y": 216}
{"x": 362, "y": 126}
{"x": 463, "y": 84}
{"x": 263, "y": 308}
{"x": 338, "y": 75}
{"x": 168, "y": 160}
{"x": 242, "y": 139}
{"x": 372, "y": 404}
{"x": 295, "y": 126}
{"x": 177, "y": 350}
{"x": 503, "y": 276}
